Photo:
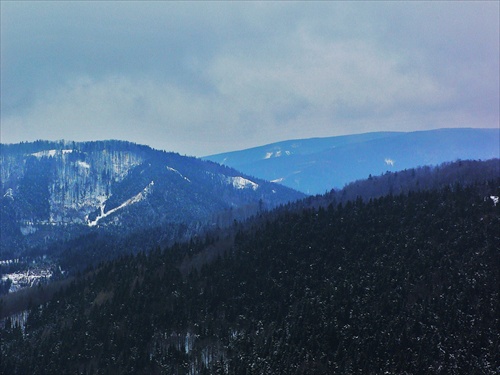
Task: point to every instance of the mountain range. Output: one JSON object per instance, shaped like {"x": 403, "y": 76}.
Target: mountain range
{"x": 117, "y": 258}
{"x": 53, "y": 191}
{"x": 401, "y": 279}
{"x": 317, "y": 165}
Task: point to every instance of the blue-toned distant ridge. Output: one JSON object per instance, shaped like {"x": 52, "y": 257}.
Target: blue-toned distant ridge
{"x": 317, "y": 165}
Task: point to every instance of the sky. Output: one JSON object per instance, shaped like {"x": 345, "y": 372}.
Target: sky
{"x": 200, "y": 78}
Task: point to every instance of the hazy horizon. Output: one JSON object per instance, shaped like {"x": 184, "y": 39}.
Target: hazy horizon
{"x": 236, "y": 150}
{"x": 206, "y": 78}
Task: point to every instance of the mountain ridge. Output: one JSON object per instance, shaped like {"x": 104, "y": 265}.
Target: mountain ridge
{"x": 54, "y": 189}
{"x": 343, "y": 159}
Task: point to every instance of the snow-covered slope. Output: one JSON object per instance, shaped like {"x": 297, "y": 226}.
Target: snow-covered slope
{"x": 63, "y": 182}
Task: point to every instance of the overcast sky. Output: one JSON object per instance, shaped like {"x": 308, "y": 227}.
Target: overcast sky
{"x": 201, "y": 78}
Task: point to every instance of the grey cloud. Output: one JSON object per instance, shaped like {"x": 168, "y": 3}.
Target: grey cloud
{"x": 241, "y": 74}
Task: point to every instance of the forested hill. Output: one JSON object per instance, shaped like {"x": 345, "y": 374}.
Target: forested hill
{"x": 411, "y": 180}
{"x": 54, "y": 191}
{"x": 399, "y": 284}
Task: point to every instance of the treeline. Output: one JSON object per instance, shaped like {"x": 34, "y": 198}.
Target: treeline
{"x": 461, "y": 172}
{"x": 405, "y": 283}
{"x": 42, "y": 145}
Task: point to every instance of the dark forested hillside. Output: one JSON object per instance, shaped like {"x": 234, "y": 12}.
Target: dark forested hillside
{"x": 398, "y": 284}
{"x": 414, "y": 179}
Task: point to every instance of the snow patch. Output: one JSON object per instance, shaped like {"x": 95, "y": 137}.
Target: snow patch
{"x": 277, "y": 154}
{"x": 83, "y": 164}
{"x": 135, "y": 199}
{"x": 9, "y": 194}
{"x": 278, "y": 180}
{"x": 51, "y": 153}
{"x": 494, "y": 199}
{"x": 45, "y": 153}
{"x": 389, "y": 162}
{"x": 9, "y": 261}
{"x": 242, "y": 183}
{"x": 29, "y": 228}
{"x": 27, "y": 278}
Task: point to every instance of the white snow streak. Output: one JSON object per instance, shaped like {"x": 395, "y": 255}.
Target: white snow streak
{"x": 179, "y": 173}
{"x": 9, "y": 194}
{"x": 137, "y": 198}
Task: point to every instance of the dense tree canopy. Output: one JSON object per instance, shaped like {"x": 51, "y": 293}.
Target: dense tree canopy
{"x": 403, "y": 283}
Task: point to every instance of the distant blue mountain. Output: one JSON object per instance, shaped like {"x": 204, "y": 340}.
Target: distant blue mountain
{"x": 317, "y": 165}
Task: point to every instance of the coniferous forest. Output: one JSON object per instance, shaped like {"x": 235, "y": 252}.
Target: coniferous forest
{"x": 405, "y": 283}
{"x": 249, "y": 187}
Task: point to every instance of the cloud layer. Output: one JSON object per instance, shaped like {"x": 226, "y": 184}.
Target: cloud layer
{"x": 201, "y": 78}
